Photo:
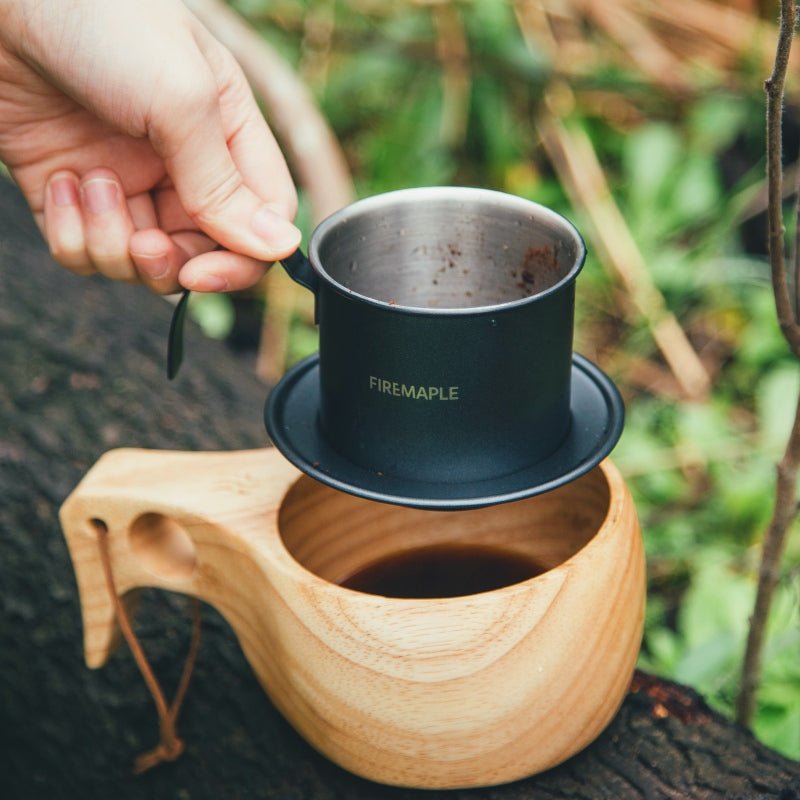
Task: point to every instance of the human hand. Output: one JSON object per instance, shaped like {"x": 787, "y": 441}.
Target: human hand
{"x": 138, "y": 144}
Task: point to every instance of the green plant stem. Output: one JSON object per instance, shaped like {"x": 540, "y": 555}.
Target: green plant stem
{"x": 785, "y": 507}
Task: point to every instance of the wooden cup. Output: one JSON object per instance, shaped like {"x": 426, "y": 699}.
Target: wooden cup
{"x": 435, "y": 693}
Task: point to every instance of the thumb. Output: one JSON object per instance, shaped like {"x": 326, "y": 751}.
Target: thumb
{"x": 195, "y": 149}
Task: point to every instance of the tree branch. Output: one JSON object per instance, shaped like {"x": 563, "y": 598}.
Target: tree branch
{"x": 785, "y": 506}
{"x": 784, "y": 512}
{"x": 774, "y": 86}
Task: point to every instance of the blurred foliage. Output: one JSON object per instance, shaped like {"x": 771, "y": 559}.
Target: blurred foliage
{"x": 447, "y": 93}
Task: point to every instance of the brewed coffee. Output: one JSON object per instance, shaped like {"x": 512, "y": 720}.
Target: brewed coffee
{"x": 443, "y": 571}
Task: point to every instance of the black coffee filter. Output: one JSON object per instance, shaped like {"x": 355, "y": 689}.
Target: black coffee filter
{"x": 445, "y": 375}
{"x": 595, "y": 417}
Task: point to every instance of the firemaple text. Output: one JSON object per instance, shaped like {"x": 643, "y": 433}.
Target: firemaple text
{"x": 397, "y": 389}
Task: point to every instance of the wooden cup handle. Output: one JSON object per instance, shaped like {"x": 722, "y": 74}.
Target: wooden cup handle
{"x": 172, "y": 520}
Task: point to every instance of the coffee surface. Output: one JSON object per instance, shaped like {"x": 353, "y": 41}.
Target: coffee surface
{"x": 443, "y": 571}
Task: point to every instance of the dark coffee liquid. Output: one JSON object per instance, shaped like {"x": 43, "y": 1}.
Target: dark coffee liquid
{"x": 443, "y": 571}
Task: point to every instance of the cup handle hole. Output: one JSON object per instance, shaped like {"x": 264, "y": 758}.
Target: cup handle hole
{"x": 162, "y": 546}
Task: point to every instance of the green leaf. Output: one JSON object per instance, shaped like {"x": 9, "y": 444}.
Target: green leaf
{"x": 665, "y": 650}
{"x": 651, "y": 155}
{"x": 708, "y": 663}
{"x": 412, "y": 154}
{"x": 761, "y": 342}
{"x": 674, "y": 269}
{"x": 704, "y": 428}
{"x": 745, "y": 486}
{"x": 663, "y": 487}
{"x": 718, "y": 600}
{"x": 776, "y": 400}
{"x": 303, "y": 341}
{"x": 213, "y": 313}
{"x": 697, "y": 191}
{"x": 716, "y": 120}
{"x": 494, "y": 135}
{"x": 492, "y": 27}
{"x": 780, "y": 727}
{"x": 640, "y": 451}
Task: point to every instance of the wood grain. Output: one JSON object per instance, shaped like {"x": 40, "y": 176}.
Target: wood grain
{"x": 451, "y": 692}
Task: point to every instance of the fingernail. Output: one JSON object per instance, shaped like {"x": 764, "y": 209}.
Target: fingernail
{"x": 154, "y": 266}
{"x": 206, "y": 283}
{"x": 64, "y": 192}
{"x": 275, "y": 230}
{"x": 100, "y": 195}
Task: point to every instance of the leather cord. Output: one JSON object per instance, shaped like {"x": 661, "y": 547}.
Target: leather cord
{"x": 170, "y": 745}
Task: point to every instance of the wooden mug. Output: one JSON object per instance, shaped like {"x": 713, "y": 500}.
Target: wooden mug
{"x": 432, "y": 693}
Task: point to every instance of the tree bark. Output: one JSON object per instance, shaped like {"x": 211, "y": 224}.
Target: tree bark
{"x": 81, "y": 371}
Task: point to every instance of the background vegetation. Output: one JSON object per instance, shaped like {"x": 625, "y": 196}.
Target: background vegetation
{"x": 661, "y": 104}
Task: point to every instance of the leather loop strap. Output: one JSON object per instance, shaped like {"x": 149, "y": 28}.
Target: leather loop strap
{"x": 170, "y": 746}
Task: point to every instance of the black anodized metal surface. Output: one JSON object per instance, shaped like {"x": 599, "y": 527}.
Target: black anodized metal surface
{"x": 455, "y": 397}
{"x": 596, "y": 420}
